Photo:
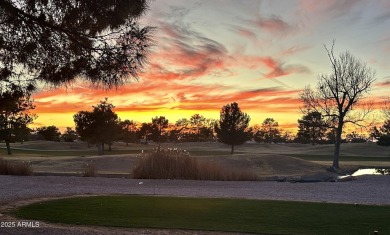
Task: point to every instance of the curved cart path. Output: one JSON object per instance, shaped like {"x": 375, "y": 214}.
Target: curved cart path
{"x": 16, "y": 190}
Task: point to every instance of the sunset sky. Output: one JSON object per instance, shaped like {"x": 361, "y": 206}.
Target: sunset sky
{"x": 257, "y": 53}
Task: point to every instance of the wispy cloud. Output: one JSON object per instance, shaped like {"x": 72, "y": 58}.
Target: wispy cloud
{"x": 273, "y": 24}
{"x": 184, "y": 53}
{"x": 293, "y": 50}
{"x": 330, "y": 8}
{"x": 383, "y": 17}
{"x": 274, "y": 68}
{"x": 385, "y": 83}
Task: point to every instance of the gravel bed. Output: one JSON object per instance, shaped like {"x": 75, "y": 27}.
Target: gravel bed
{"x": 363, "y": 190}
{"x": 13, "y": 189}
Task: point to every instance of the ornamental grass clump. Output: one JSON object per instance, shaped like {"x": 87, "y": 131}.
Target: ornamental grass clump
{"x": 89, "y": 170}
{"x": 178, "y": 164}
{"x": 15, "y": 168}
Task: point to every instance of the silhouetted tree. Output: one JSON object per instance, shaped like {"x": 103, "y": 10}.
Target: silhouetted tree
{"x": 15, "y": 115}
{"x": 101, "y": 126}
{"x": 50, "y": 133}
{"x": 57, "y": 41}
{"x": 159, "y": 124}
{"x": 128, "y": 129}
{"x": 331, "y": 136}
{"x": 386, "y": 109}
{"x": 375, "y": 133}
{"x": 383, "y": 134}
{"x": 384, "y": 140}
{"x": 69, "y": 135}
{"x": 338, "y": 94}
{"x": 386, "y": 114}
{"x": 268, "y": 132}
{"x": 181, "y": 129}
{"x": 311, "y": 128}
{"x": 197, "y": 122}
{"x": 22, "y": 132}
{"x": 144, "y": 132}
{"x": 354, "y": 137}
{"x": 385, "y": 129}
{"x": 287, "y": 137}
{"x": 232, "y": 126}
{"x": 207, "y": 131}
{"x": 197, "y": 128}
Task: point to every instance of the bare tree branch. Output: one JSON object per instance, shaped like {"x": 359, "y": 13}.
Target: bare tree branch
{"x": 338, "y": 94}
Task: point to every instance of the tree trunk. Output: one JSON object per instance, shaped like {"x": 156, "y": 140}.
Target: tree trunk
{"x": 337, "y": 144}
{"x": 8, "y": 147}
{"x": 312, "y": 138}
{"x": 232, "y": 151}
{"x": 336, "y": 154}
{"x": 100, "y": 147}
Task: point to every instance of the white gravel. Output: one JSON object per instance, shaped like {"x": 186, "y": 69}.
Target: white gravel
{"x": 362, "y": 190}
{"x": 14, "y": 189}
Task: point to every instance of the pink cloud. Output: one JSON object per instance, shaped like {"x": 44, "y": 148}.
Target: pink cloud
{"x": 385, "y": 83}
{"x": 246, "y": 33}
{"x": 294, "y": 50}
{"x": 278, "y": 69}
{"x": 185, "y": 54}
{"x": 273, "y": 24}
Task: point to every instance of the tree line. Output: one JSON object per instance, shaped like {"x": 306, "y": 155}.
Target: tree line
{"x": 102, "y": 127}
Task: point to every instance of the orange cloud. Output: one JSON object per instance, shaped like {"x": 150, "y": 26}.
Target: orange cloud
{"x": 160, "y": 95}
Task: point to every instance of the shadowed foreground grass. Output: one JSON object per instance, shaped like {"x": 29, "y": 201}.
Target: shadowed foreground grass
{"x": 234, "y": 215}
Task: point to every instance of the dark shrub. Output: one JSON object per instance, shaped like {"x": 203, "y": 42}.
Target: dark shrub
{"x": 384, "y": 140}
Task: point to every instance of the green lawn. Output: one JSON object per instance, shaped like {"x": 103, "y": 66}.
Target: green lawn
{"x": 310, "y": 157}
{"x": 234, "y": 215}
{"x": 90, "y": 152}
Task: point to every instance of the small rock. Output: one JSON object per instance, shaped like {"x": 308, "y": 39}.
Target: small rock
{"x": 345, "y": 178}
{"x": 281, "y": 179}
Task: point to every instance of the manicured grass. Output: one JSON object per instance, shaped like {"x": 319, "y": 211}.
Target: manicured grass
{"x": 71, "y": 152}
{"x": 235, "y": 215}
{"x": 213, "y": 152}
{"x": 310, "y": 157}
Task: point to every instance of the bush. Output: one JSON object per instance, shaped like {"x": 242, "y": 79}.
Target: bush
{"x": 383, "y": 171}
{"x": 178, "y": 164}
{"x": 15, "y": 168}
{"x": 384, "y": 140}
